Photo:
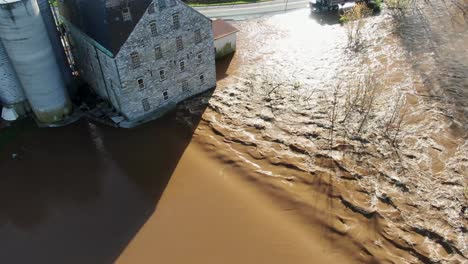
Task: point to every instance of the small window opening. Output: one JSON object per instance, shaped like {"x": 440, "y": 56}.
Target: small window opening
{"x": 141, "y": 83}
{"x": 182, "y": 65}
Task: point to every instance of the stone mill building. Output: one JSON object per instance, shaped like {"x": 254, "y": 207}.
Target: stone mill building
{"x": 141, "y": 56}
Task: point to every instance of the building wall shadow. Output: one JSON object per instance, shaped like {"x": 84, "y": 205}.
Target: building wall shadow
{"x": 79, "y": 194}
{"x": 222, "y": 66}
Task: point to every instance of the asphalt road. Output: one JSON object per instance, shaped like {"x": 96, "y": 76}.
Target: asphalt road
{"x": 251, "y": 10}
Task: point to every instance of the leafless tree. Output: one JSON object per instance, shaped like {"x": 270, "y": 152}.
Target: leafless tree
{"x": 394, "y": 115}
{"x": 333, "y": 112}
{"x": 367, "y": 100}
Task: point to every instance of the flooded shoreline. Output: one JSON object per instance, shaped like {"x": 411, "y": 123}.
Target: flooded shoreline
{"x": 248, "y": 172}
{"x": 397, "y": 188}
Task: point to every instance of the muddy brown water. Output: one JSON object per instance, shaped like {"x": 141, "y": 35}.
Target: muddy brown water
{"x": 246, "y": 174}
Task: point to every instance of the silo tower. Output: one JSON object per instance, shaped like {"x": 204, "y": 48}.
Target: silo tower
{"x": 55, "y": 40}
{"x": 24, "y": 35}
{"x": 11, "y": 92}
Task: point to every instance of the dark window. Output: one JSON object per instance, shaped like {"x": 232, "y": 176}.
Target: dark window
{"x": 146, "y": 105}
{"x": 151, "y": 8}
{"x": 165, "y": 95}
{"x": 157, "y": 52}
{"x": 153, "y": 28}
{"x": 185, "y": 86}
{"x": 182, "y": 65}
{"x": 175, "y": 21}
{"x": 135, "y": 59}
{"x": 162, "y": 4}
{"x": 126, "y": 15}
{"x": 202, "y": 78}
{"x": 197, "y": 36}
{"x": 199, "y": 57}
{"x": 162, "y": 75}
{"x": 141, "y": 83}
{"x": 172, "y": 2}
{"x": 179, "y": 44}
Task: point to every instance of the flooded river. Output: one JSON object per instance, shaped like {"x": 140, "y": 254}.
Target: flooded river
{"x": 256, "y": 171}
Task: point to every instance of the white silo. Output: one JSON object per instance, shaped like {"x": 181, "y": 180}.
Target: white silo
{"x": 27, "y": 43}
{"x": 11, "y": 92}
{"x": 55, "y": 40}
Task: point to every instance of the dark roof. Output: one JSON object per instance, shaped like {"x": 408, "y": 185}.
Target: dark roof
{"x": 102, "y": 20}
{"x": 222, "y": 28}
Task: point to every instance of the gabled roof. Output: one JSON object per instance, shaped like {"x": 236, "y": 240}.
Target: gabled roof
{"x": 102, "y": 20}
{"x": 222, "y": 28}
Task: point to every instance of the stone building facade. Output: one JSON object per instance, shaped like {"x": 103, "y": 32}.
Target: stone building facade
{"x": 142, "y": 56}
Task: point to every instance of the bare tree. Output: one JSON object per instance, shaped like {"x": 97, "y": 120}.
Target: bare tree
{"x": 394, "y": 115}
{"x": 354, "y": 22}
{"x": 401, "y": 118}
{"x": 333, "y": 113}
{"x": 370, "y": 89}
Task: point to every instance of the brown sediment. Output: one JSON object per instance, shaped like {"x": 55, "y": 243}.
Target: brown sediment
{"x": 209, "y": 215}
{"x": 255, "y": 178}
{"x": 272, "y": 120}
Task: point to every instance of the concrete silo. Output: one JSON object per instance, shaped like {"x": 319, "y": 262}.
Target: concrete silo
{"x": 55, "y": 40}
{"x": 27, "y": 43}
{"x": 11, "y": 92}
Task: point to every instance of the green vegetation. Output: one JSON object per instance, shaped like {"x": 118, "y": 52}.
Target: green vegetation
{"x": 378, "y": 6}
{"x": 354, "y": 22}
{"x": 199, "y": 3}
{"x": 398, "y": 4}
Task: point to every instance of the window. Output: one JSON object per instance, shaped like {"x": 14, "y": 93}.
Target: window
{"x": 185, "y": 86}
{"x": 151, "y": 8}
{"x": 157, "y": 52}
{"x": 135, "y": 59}
{"x": 172, "y": 2}
{"x": 162, "y": 75}
{"x": 153, "y": 28}
{"x": 126, "y": 15}
{"x": 141, "y": 83}
{"x": 179, "y": 44}
{"x": 146, "y": 105}
{"x": 175, "y": 21}
{"x": 202, "y": 78}
{"x": 165, "y": 95}
{"x": 182, "y": 65}
{"x": 162, "y": 4}
{"x": 199, "y": 57}
{"x": 197, "y": 36}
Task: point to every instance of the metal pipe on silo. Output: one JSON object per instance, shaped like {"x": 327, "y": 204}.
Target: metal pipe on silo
{"x": 55, "y": 40}
{"x": 11, "y": 92}
{"x": 25, "y": 38}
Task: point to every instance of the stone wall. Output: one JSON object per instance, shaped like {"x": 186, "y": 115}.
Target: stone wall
{"x": 142, "y": 42}
{"x": 96, "y": 67}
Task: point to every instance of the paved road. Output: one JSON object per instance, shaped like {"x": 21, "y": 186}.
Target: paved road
{"x": 251, "y": 10}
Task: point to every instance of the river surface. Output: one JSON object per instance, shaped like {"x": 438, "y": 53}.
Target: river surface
{"x": 256, "y": 171}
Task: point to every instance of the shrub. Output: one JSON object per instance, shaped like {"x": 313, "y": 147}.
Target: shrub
{"x": 354, "y": 23}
